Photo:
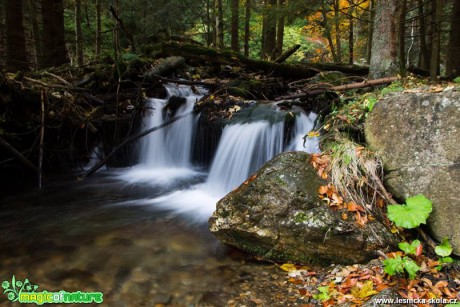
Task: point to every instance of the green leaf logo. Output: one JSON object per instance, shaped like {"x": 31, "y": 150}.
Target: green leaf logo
{"x": 412, "y": 214}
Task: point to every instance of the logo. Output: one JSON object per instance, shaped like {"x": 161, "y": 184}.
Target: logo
{"x": 24, "y": 292}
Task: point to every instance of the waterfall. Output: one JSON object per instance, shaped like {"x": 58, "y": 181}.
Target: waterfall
{"x": 252, "y": 139}
{"x": 242, "y": 150}
{"x": 304, "y": 123}
{"x": 166, "y": 153}
{"x": 172, "y": 145}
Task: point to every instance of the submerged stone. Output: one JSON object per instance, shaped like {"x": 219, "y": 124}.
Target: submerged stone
{"x": 277, "y": 215}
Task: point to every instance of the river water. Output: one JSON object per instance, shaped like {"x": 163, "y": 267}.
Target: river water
{"x": 139, "y": 235}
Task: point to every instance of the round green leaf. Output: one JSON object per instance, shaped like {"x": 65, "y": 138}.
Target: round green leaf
{"x": 415, "y": 212}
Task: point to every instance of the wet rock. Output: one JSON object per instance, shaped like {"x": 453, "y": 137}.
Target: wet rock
{"x": 417, "y": 136}
{"x": 277, "y": 215}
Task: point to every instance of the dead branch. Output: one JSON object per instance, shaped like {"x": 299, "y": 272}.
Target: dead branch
{"x": 122, "y": 26}
{"x": 18, "y": 155}
{"x": 340, "y": 88}
{"x": 287, "y": 53}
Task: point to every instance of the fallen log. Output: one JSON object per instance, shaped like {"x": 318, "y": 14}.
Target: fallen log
{"x": 166, "y": 67}
{"x": 360, "y": 70}
{"x": 287, "y": 53}
{"x": 229, "y": 57}
{"x": 129, "y": 140}
{"x": 339, "y": 88}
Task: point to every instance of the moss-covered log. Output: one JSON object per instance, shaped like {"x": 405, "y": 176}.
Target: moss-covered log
{"x": 228, "y": 57}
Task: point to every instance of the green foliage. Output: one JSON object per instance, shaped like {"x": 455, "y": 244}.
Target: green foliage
{"x": 409, "y": 248}
{"x": 398, "y": 265}
{"x": 445, "y": 249}
{"x": 323, "y": 294}
{"x": 457, "y": 80}
{"x": 411, "y": 215}
{"x": 392, "y": 88}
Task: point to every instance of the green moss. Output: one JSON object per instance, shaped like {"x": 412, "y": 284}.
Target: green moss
{"x": 300, "y": 217}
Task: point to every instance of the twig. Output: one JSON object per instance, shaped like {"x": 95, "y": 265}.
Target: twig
{"x": 18, "y": 155}
{"x": 58, "y": 77}
{"x": 42, "y": 134}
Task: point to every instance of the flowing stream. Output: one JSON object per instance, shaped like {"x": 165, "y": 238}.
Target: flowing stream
{"x": 139, "y": 235}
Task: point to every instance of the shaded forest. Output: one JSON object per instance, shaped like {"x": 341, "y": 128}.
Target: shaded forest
{"x": 424, "y": 33}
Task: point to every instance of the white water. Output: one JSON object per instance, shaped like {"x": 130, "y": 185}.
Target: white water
{"x": 166, "y": 153}
{"x": 242, "y": 149}
{"x": 304, "y": 123}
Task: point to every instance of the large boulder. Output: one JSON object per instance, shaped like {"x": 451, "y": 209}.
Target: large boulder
{"x": 418, "y": 136}
{"x": 278, "y": 216}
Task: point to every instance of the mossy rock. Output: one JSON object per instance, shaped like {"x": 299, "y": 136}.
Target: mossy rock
{"x": 277, "y": 215}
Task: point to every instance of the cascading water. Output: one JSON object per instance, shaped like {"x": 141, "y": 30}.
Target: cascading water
{"x": 304, "y": 123}
{"x": 242, "y": 150}
{"x": 166, "y": 153}
{"x": 245, "y": 145}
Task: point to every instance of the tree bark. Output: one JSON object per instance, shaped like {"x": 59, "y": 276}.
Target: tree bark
{"x": 269, "y": 33}
{"x": 53, "y": 33}
{"x": 370, "y": 31}
{"x": 453, "y": 53}
{"x": 436, "y": 38}
{"x": 327, "y": 33}
{"x": 78, "y": 34}
{"x": 402, "y": 37}
{"x": 247, "y": 20}
{"x": 350, "y": 34}
{"x": 219, "y": 24}
{"x": 424, "y": 51}
{"x": 98, "y": 26}
{"x": 384, "y": 59}
{"x": 338, "y": 44}
{"x": 35, "y": 32}
{"x": 280, "y": 29}
{"x": 235, "y": 43}
{"x": 16, "y": 57}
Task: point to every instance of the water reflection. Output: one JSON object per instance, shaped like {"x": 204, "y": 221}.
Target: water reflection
{"x": 72, "y": 237}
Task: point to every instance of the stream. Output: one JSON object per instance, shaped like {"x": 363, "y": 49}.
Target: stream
{"x": 139, "y": 235}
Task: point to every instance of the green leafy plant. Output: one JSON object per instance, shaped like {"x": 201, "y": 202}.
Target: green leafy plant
{"x": 412, "y": 214}
{"x": 398, "y": 265}
{"x": 410, "y": 248}
{"x": 444, "y": 250}
{"x": 323, "y": 294}
{"x": 457, "y": 80}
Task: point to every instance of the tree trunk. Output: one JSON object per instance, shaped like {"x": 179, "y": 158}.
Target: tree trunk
{"x": 424, "y": 51}
{"x": 370, "y": 31}
{"x": 453, "y": 52}
{"x": 436, "y": 38}
{"x": 247, "y": 20}
{"x": 98, "y": 26}
{"x": 351, "y": 34}
{"x": 219, "y": 24}
{"x": 35, "y": 32}
{"x": 338, "y": 45}
{"x": 280, "y": 30}
{"x": 384, "y": 60}
{"x": 78, "y": 34}
{"x": 269, "y": 32}
{"x": 235, "y": 44}
{"x": 402, "y": 37}
{"x": 327, "y": 33}
{"x": 16, "y": 56}
{"x": 208, "y": 23}
{"x": 53, "y": 33}
{"x": 2, "y": 34}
